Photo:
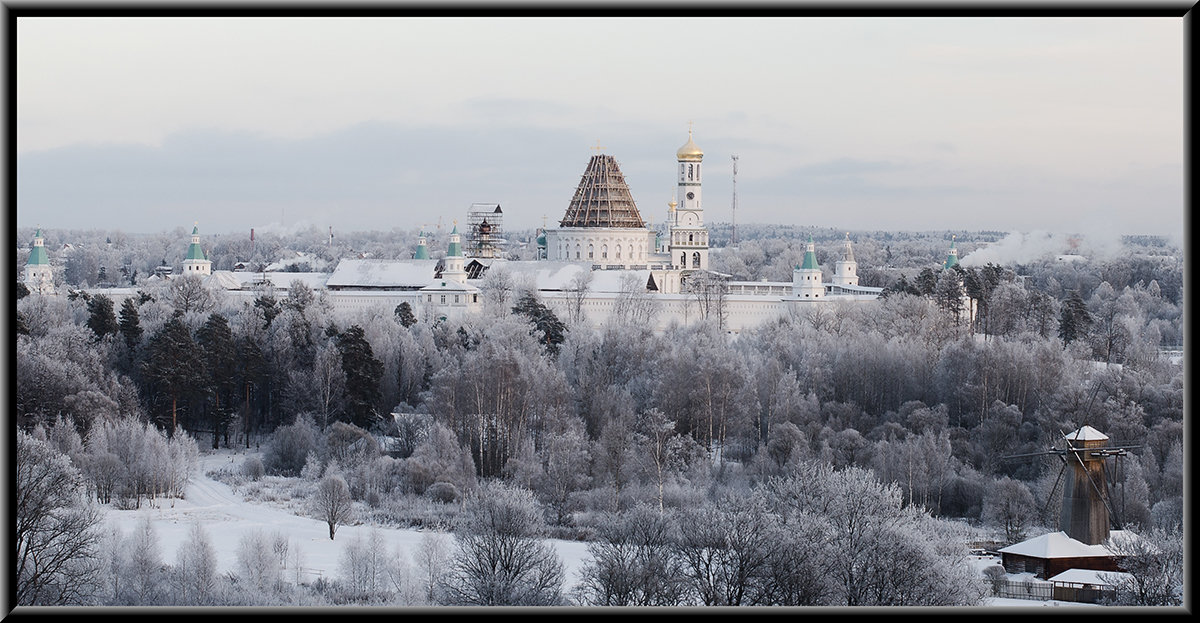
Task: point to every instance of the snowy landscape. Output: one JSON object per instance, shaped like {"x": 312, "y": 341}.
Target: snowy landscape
{"x": 433, "y": 312}
{"x": 226, "y": 517}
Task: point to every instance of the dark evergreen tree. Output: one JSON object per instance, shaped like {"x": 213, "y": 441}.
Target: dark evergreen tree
{"x": 269, "y": 307}
{"x": 173, "y": 367}
{"x": 544, "y": 320}
{"x": 949, "y": 293}
{"x": 22, "y": 291}
{"x": 926, "y": 281}
{"x": 21, "y": 326}
{"x": 220, "y": 354}
{"x": 363, "y": 374}
{"x": 1074, "y": 319}
{"x": 251, "y": 377}
{"x": 979, "y": 284}
{"x": 102, "y": 321}
{"x": 130, "y": 323}
{"x": 404, "y": 314}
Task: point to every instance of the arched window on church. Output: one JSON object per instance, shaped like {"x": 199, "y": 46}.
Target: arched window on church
{"x": 683, "y": 260}
{"x": 591, "y": 253}
{"x": 696, "y": 259}
{"x": 618, "y": 252}
{"x": 604, "y": 251}
{"x": 689, "y": 238}
{"x": 576, "y": 251}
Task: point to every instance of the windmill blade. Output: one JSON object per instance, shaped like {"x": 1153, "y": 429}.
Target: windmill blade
{"x": 1054, "y": 489}
{"x": 1029, "y": 454}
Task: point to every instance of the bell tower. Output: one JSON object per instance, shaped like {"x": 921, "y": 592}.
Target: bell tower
{"x": 689, "y": 236}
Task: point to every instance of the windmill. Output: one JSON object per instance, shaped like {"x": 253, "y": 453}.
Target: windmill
{"x": 1087, "y": 513}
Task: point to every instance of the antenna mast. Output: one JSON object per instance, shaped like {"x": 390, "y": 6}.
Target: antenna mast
{"x": 733, "y": 210}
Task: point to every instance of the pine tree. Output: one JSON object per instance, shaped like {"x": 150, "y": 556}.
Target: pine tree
{"x": 363, "y": 373}
{"x": 1074, "y": 319}
{"x": 102, "y": 321}
{"x": 404, "y": 315}
{"x": 544, "y": 320}
{"x": 269, "y": 307}
{"x": 251, "y": 374}
{"x": 219, "y": 353}
{"x": 174, "y": 365}
{"x": 131, "y": 328}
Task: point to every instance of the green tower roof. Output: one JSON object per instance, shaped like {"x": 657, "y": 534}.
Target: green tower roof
{"x": 194, "y": 251}
{"x": 455, "y": 249}
{"x": 952, "y": 257}
{"x": 810, "y": 257}
{"x": 37, "y": 255}
{"x": 422, "y": 251}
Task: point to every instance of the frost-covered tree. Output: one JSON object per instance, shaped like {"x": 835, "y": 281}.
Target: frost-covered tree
{"x": 1012, "y": 507}
{"x": 725, "y": 550}
{"x": 633, "y": 562}
{"x": 143, "y": 567}
{"x": 332, "y": 502}
{"x": 432, "y": 558}
{"x": 1154, "y": 561}
{"x": 57, "y": 534}
{"x": 500, "y": 558}
{"x": 194, "y": 579}
{"x": 368, "y": 570}
{"x": 257, "y": 563}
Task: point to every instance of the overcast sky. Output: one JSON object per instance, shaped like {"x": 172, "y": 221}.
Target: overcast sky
{"x": 1013, "y": 124}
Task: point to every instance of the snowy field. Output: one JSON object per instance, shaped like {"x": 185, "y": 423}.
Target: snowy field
{"x": 226, "y": 517}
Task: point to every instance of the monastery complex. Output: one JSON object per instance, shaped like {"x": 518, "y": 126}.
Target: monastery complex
{"x": 602, "y": 263}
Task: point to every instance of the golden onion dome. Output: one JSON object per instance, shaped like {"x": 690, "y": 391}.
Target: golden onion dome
{"x": 689, "y": 151}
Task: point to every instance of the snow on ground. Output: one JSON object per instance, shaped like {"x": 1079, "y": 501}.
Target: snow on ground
{"x": 226, "y": 517}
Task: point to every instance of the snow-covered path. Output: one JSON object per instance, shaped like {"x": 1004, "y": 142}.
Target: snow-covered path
{"x": 227, "y": 517}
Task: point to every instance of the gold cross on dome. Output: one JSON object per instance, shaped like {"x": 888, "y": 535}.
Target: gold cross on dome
{"x": 598, "y": 148}
{"x": 690, "y": 127}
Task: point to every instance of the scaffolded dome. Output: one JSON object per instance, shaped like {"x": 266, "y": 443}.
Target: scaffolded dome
{"x": 602, "y": 198}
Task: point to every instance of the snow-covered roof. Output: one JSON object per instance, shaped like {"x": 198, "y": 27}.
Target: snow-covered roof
{"x": 443, "y": 285}
{"x": 223, "y": 279}
{"x": 1089, "y": 576}
{"x": 382, "y": 273}
{"x": 281, "y": 280}
{"x": 552, "y": 275}
{"x": 1059, "y": 545}
{"x": 1086, "y": 433}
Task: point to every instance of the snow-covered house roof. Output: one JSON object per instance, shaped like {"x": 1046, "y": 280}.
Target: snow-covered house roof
{"x": 223, "y": 279}
{"x": 445, "y": 285}
{"x": 1059, "y": 545}
{"x": 1089, "y": 576}
{"x": 399, "y": 274}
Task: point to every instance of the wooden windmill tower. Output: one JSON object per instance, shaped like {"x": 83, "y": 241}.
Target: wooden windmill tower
{"x": 1087, "y": 511}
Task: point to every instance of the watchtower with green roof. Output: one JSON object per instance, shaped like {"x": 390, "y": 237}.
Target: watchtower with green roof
{"x": 195, "y": 263}
{"x": 39, "y": 276}
{"x": 455, "y": 262}
{"x": 806, "y": 278}
{"x": 422, "y": 250}
{"x": 952, "y": 257}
